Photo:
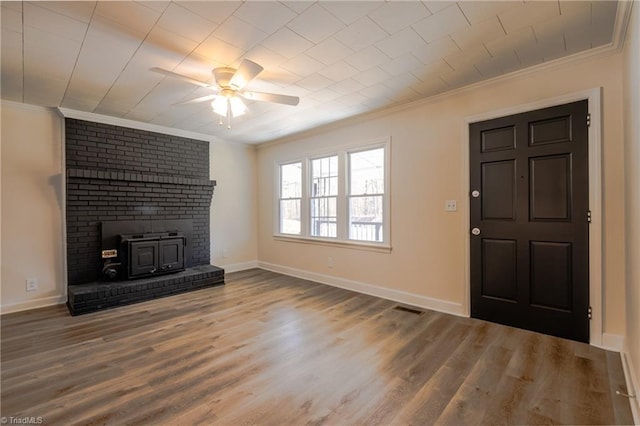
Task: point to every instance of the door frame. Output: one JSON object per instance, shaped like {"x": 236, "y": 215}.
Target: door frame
{"x": 596, "y": 260}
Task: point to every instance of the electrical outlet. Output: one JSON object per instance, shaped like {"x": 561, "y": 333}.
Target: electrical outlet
{"x": 32, "y": 284}
{"x": 450, "y": 205}
{"x": 330, "y": 262}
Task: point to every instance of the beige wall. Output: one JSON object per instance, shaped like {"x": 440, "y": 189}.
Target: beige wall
{"x": 233, "y": 210}
{"x": 632, "y": 171}
{"x": 32, "y": 226}
{"x": 428, "y": 255}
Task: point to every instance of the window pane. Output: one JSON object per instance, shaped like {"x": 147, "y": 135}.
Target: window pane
{"x": 291, "y": 180}
{"x": 365, "y": 218}
{"x": 366, "y": 172}
{"x": 290, "y": 217}
{"x": 323, "y": 217}
{"x": 324, "y": 176}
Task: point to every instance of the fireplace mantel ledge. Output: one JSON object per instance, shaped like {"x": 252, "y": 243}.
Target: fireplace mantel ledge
{"x": 136, "y": 177}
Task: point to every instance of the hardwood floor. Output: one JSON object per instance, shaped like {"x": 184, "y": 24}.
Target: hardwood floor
{"x": 275, "y": 350}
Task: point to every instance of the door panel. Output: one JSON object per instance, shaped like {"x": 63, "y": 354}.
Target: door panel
{"x": 529, "y": 263}
{"x": 499, "y": 269}
{"x": 498, "y": 189}
{"x": 499, "y": 139}
{"x": 551, "y": 275}
{"x": 550, "y": 190}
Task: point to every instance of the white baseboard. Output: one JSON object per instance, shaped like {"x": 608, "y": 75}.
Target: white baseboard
{"x": 32, "y": 304}
{"x": 242, "y": 266}
{"x": 417, "y": 300}
{"x": 611, "y": 342}
{"x": 633, "y": 387}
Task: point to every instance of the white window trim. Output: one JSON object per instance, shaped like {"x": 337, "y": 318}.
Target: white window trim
{"x": 342, "y": 239}
{"x": 279, "y": 196}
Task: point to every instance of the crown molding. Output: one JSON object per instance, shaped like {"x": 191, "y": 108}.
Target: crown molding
{"x": 615, "y": 46}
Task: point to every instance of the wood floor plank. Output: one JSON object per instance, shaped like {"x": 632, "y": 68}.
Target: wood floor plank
{"x": 270, "y": 349}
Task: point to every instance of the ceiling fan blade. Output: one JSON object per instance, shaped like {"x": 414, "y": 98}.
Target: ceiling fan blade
{"x": 182, "y": 77}
{"x": 271, "y": 97}
{"x": 246, "y": 72}
{"x": 196, "y": 100}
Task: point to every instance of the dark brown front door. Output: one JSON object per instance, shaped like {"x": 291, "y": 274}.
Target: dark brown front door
{"x": 529, "y": 220}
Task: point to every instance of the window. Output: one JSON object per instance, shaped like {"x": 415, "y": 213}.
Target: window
{"x": 290, "y": 198}
{"x": 366, "y": 195}
{"x": 324, "y": 197}
{"x": 341, "y": 197}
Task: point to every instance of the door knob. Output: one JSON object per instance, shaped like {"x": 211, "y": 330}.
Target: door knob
{"x": 475, "y": 231}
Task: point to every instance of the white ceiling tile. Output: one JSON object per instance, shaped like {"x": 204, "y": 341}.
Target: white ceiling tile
{"x": 267, "y": 16}
{"x": 182, "y": 21}
{"x": 78, "y": 10}
{"x": 603, "y": 20}
{"x": 287, "y": 43}
{"x": 325, "y": 95}
{"x": 347, "y": 86}
{"x": 395, "y": 16}
{"x": 42, "y": 90}
{"x": 213, "y": 11}
{"x": 266, "y": 57}
{"x": 478, "y": 33}
{"x": 302, "y": 65}
{"x": 402, "y": 42}
{"x": 572, "y": 6}
{"x": 48, "y": 55}
{"x": 53, "y": 23}
{"x": 432, "y": 87}
{"x": 339, "y": 71}
{"x": 131, "y": 15}
{"x": 12, "y": 65}
{"x": 436, "y": 50}
{"x": 478, "y": 11}
{"x": 239, "y": 33}
{"x": 11, "y": 20}
{"x": 329, "y": 51}
{"x": 401, "y": 82}
{"x": 350, "y": 11}
{"x": 577, "y": 40}
{"x": 568, "y": 22}
{"x": 361, "y": 34}
{"x": 218, "y": 51}
{"x": 171, "y": 43}
{"x": 545, "y": 49}
{"x": 402, "y": 64}
{"x": 352, "y": 99}
{"x": 297, "y": 5}
{"x": 378, "y": 91}
{"x": 196, "y": 67}
{"x": 465, "y": 58}
{"x": 367, "y": 58}
{"x": 433, "y": 70}
{"x": 315, "y": 24}
{"x": 497, "y": 65}
{"x": 436, "y": 5}
{"x": 527, "y": 14}
{"x": 158, "y": 6}
{"x": 441, "y": 23}
{"x": 314, "y": 82}
{"x": 373, "y": 76}
{"x": 462, "y": 77}
{"x": 103, "y": 56}
{"x": 511, "y": 41}
{"x": 11, "y": 5}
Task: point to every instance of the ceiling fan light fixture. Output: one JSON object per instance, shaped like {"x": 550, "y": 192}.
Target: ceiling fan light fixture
{"x": 219, "y": 105}
{"x": 237, "y": 106}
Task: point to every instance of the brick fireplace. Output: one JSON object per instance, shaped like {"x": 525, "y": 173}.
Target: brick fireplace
{"x": 135, "y": 189}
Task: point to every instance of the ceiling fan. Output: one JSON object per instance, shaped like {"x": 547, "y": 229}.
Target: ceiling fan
{"x": 229, "y": 88}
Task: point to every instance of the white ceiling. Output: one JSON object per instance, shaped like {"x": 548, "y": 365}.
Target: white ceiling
{"x": 342, "y": 58}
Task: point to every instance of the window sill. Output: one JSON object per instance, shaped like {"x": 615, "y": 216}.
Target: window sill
{"x": 375, "y": 247}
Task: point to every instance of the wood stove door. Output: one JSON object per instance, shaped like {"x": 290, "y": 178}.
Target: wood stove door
{"x": 171, "y": 254}
{"x": 143, "y": 258}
